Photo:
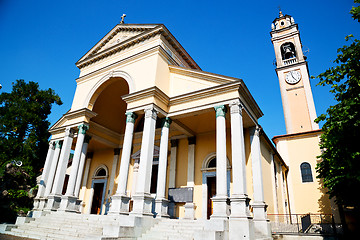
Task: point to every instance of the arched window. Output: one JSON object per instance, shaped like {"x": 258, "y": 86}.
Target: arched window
{"x": 306, "y": 174}
{"x": 288, "y": 51}
{"x": 212, "y": 163}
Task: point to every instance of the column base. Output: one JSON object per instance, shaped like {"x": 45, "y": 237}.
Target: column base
{"x": 241, "y": 228}
{"x": 219, "y": 207}
{"x": 189, "y": 210}
{"x": 142, "y": 205}
{"x": 240, "y": 206}
{"x": 262, "y": 226}
{"x": 36, "y": 203}
{"x": 53, "y": 202}
{"x": 161, "y": 208}
{"x": 69, "y": 204}
{"x": 119, "y": 205}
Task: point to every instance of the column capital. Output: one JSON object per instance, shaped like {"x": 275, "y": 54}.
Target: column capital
{"x": 192, "y": 140}
{"x": 174, "y": 142}
{"x": 52, "y": 145}
{"x": 90, "y": 155}
{"x": 69, "y": 132}
{"x": 58, "y": 144}
{"x": 150, "y": 112}
{"x": 165, "y": 122}
{"x": 83, "y": 128}
{"x": 236, "y": 107}
{"x": 116, "y": 151}
{"x": 256, "y": 131}
{"x": 87, "y": 139}
{"x": 130, "y": 117}
{"x": 220, "y": 110}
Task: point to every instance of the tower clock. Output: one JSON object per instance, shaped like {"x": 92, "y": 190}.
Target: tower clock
{"x": 293, "y": 74}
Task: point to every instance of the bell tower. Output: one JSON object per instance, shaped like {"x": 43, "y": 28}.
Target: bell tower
{"x": 293, "y": 74}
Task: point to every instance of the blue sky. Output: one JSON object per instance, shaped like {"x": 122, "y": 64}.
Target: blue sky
{"x": 41, "y": 41}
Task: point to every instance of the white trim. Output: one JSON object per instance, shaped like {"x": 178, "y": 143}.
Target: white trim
{"x": 106, "y": 77}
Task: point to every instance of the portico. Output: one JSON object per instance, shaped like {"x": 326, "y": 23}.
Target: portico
{"x": 167, "y": 139}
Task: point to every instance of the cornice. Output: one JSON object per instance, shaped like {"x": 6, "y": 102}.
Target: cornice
{"x": 97, "y": 127}
{"x": 204, "y": 93}
{"x": 280, "y": 37}
{"x": 275, "y": 139}
{"x": 211, "y": 77}
{"x": 88, "y": 58}
{"x": 84, "y": 112}
{"x": 149, "y": 92}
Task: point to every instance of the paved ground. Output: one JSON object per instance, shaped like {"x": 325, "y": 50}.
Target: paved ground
{"x": 10, "y": 237}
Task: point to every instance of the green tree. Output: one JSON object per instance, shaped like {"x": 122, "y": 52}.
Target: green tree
{"x": 340, "y": 165}
{"x": 23, "y": 138}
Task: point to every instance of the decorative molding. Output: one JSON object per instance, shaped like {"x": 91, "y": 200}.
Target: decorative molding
{"x": 206, "y": 76}
{"x": 130, "y": 117}
{"x": 205, "y": 93}
{"x": 236, "y": 107}
{"x": 117, "y": 151}
{"x": 165, "y": 122}
{"x": 97, "y": 127}
{"x": 83, "y": 128}
{"x": 149, "y": 31}
{"x": 220, "y": 111}
{"x": 148, "y": 92}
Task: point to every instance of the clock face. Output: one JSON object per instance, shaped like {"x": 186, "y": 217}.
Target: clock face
{"x": 293, "y": 77}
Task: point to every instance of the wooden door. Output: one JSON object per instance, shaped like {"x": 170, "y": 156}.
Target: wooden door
{"x": 97, "y": 198}
{"x": 211, "y": 185}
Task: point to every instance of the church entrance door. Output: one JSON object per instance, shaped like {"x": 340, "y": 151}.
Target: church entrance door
{"x": 211, "y": 186}
{"x": 97, "y": 201}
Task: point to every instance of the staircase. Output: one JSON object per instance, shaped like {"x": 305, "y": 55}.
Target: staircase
{"x": 178, "y": 229}
{"x": 56, "y": 226}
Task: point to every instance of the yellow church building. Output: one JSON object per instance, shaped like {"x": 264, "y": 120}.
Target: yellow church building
{"x": 151, "y": 140}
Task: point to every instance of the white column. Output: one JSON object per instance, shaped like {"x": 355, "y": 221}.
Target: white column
{"x": 54, "y": 198}
{"x": 120, "y": 201}
{"x": 126, "y": 153}
{"x": 172, "y": 172}
{"x": 219, "y": 201}
{"x": 76, "y": 160}
{"x": 82, "y": 164}
{"x": 240, "y": 223}
{"x": 261, "y": 224}
{"x": 142, "y": 198}
{"x": 89, "y": 156}
{"x": 63, "y": 162}
{"x": 52, "y": 170}
{"x": 68, "y": 201}
{"x": 39, "y": 201}
{"x": 161, "y": 204}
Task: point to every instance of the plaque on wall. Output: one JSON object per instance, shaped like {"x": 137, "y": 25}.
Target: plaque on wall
{"x": 179, "y": 195}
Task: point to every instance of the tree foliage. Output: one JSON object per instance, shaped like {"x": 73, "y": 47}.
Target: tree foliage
{"x": 340, "y": 165}
{"x": 23, "y": 138}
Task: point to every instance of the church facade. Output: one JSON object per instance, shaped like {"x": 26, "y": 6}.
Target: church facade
{"x": 150, "y": 135}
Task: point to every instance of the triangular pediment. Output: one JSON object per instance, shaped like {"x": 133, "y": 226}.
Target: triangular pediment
{"x": 120, "y": 34}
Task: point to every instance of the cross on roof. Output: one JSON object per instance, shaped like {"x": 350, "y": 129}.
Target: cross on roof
{"x": 122, "y": 18}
